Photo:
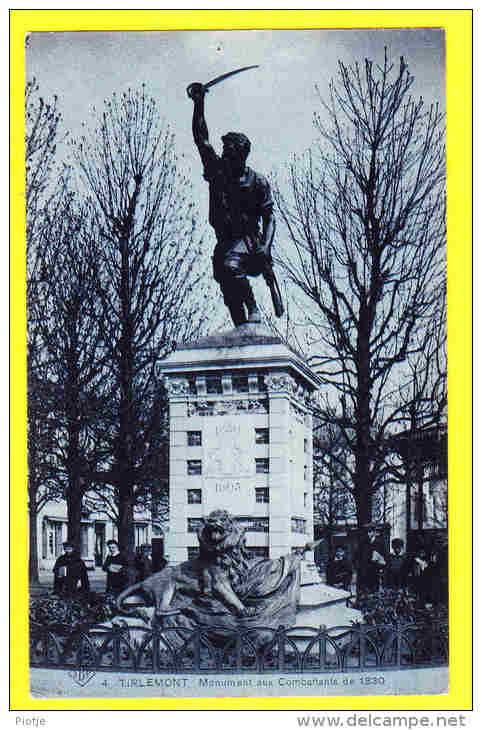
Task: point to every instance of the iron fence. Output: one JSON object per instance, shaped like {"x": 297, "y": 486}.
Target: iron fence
{"x": 297, "y": 649}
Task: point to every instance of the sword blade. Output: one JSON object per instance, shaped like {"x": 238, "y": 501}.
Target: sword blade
{"x": 227, "y": 75}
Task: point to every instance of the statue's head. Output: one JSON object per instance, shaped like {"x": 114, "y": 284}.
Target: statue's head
{"x": 217, "y": 525}
{"x": 236, "y": 148}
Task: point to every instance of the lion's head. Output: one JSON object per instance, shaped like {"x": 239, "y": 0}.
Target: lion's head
{"x": 220, "y": 533}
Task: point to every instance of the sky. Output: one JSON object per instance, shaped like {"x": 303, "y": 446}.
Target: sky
{"x": 273, "y": 104}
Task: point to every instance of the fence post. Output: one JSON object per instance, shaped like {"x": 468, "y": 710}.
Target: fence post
{"x": 362, "y": 639}
{"x": 238, "y": 650}
{"x": 398, "y": 629}
{"x": 116, "y": 647}
{"x": 322, "y": 645}
{"x": 197, "y": 648}
{"x": 281, "y": 636}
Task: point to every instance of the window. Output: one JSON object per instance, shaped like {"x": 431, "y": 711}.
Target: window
{"x": 254, "y": 524}
{"x": 44, "y": 538}
{"x": 240, "y": 384}
{"x": 58, "y": 539}
{"x": 140, "y": 533}
{"x": 84, "y": 541}
{"x": 194, "y": 496}
{"x": 194, "y": 438}
{"x": 305, "y": 499}
{"x": 261, "y": 435}
{"x": 298, "y": 525}
{"x": 194, "y": 523}
{"x": 305, "y": 445}
{"x": 262, "y": 466}
{"x": 262, "y": 495}
{"x": 258, "y": 551}
{"x": 194, "y": 467}
{"x": 305, "y": 472}
{"x": 192, "y": 552}
{"x": 213, "y": 384}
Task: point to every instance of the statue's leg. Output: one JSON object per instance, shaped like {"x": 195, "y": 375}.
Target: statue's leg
{"x": 232, "y": 290}
{"x": 222, "y": 588}
{"x": 247, "y": 295}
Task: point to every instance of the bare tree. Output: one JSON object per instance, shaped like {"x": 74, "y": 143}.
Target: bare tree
{"x": 148, "y": 275}
{"x": 42, "y": 121}
{"x": 365, "y": 214}
{"x": 68, "y": 323}
{"x": 152, "y": 475}
{"x": 332, "y": 486}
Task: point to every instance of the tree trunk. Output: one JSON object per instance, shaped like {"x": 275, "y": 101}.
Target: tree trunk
{"x": 363, "y": 507}
{"x": 73, "y": 416}
{"x": 127, "y": 422}
{"x": 33, "y": 572}
{"x": 126, "y": 533}
{"x": 74, "y": 513}
{"x": 363, "y": 476}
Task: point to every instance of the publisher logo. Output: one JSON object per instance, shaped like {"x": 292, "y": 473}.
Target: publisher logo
{"x": 81, "y": 676}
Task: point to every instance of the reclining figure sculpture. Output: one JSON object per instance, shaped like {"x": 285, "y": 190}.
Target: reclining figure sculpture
{"x": 223, "y": 587}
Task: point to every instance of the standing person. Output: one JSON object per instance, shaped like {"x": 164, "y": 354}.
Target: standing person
{"x": 436, "y": 575}
{"x": 371, "y": 561}
{"x": 143, "y": 562}
{"x": 239, "y": 198}
{"x": 115, "y": 565}
{"x": 397, "y": 566}
{"x": 417, "y": 577}
{"x": 339, "y": 570}
{"x": 69, "y": 571}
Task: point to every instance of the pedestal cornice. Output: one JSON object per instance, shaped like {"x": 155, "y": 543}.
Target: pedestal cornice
{"x": 244, "y": 347}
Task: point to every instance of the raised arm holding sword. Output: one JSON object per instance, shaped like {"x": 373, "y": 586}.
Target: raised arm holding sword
{"x": 239, "y": 198}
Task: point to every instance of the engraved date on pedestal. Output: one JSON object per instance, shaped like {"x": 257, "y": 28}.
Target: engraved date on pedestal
{"x": 227, "y": 487}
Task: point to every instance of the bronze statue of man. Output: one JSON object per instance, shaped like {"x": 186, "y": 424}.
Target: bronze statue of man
{"x": 239, "y": 198}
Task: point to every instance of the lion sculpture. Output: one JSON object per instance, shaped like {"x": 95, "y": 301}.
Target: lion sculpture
{"x": 223, "y": 587}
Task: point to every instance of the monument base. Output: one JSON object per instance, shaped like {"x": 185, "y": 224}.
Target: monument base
{"x": 322, "y": 605}
{"x": 309, "y": 574}
{"x": 321, "y": 594}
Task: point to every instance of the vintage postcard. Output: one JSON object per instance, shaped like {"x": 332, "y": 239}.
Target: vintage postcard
{"x": 237, "y": 424}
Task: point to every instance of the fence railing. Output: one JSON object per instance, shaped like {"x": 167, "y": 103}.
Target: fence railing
{"x": 297, "y": 649}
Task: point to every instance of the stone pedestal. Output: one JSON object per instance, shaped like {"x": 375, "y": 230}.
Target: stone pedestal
{"x": 241, "y": 440}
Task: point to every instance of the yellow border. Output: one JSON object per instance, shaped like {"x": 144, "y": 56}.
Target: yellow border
{"x": 458, "y": 27}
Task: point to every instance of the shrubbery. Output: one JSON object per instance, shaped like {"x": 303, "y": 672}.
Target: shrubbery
{"x": 393, "y": 606}
{"x": 72, "y": 613}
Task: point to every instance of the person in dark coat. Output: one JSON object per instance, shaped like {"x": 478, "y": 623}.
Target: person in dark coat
{"x": 397, "y": 566}
{"x": 436, "y": 576}
{"x": 417, "y": 575}
{"x": 371, "y": 561}
{"x": 339, "y": 570}
{"x": 70, "y": 573}
{"x": 143, "y": 562}
{"x": 115, "y": 565}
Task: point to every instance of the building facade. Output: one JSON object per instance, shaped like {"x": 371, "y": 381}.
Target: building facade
{"x": 240, "y": 439}
{"x": 95, "y": 530}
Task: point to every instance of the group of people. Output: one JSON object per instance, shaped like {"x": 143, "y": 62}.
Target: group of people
{"x": 424, "y": 572}
{"x": 71, "y": 578}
